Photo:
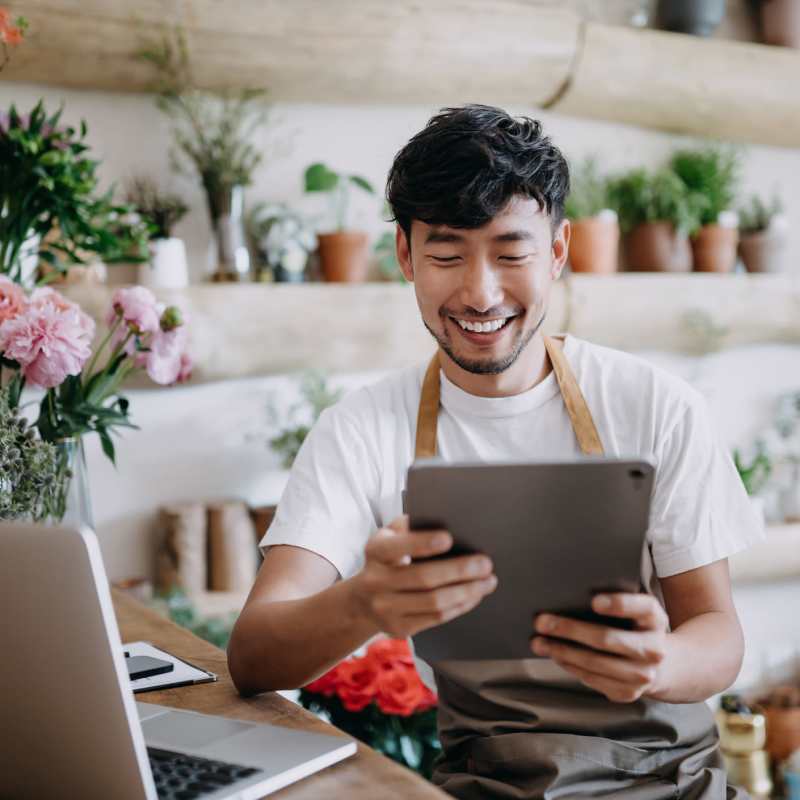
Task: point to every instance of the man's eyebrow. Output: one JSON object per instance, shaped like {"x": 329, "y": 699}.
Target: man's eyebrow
{"x": 514, "y": 236}
{"x": 436, "y": 235}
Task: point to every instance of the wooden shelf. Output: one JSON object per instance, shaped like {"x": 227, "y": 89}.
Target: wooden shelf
{"x": 371, "y": 51}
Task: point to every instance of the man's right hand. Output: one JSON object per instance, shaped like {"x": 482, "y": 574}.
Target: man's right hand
{"x": 403, "y": 597}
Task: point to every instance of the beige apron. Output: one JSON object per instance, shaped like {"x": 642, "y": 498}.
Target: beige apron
{"x": 525, "y": 729}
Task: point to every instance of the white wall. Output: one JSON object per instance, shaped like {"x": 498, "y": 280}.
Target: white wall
{"x": 131, "y": 136}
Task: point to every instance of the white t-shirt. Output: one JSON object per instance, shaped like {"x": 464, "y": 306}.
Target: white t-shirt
{"x": 348, "y": 477}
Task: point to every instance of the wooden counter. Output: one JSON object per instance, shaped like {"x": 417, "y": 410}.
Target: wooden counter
{"x": 365, "y": 776}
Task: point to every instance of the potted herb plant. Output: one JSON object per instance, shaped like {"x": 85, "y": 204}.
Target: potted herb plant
{"x": 657, "y": 213}
{"x": 167, "y": 267}
{"x": 212, "y": 133}
{"x": 762, "y": 239}
{"x": 283, "y": 240}
{"x": 780, "y": 22}
{"x": 697, "y": 17}
{"x": 594, "y": 243}
{"x": 713, "y": 174}
{"x": 344, "y": 254}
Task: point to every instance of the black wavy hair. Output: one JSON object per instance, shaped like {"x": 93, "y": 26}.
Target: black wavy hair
{"x": 467, "y": 163}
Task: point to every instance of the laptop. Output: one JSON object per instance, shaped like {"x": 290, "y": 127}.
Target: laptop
{"x": 70, "y": 725}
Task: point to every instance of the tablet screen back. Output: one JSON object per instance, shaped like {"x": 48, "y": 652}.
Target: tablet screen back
{"x": 558, "y": 533}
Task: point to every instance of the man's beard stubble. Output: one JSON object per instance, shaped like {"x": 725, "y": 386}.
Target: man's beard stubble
{"x": 489, "y": 367}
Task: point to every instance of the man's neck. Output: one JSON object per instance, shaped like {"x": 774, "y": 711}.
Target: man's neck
{"x": 531, "y": 367}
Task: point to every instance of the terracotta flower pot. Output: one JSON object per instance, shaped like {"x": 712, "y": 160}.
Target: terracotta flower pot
{"x": 714, "y": 249}
{"x": 780, "y": 22}
{"x": 761, "y": 252}
{"x": 783, "y": 732}
{"x": 594, "y": 245}
{"x": 657, "y": 247}
{"x": 344, "y": 256}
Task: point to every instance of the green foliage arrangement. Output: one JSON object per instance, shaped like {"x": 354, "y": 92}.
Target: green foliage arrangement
{"x": 49, "y": 201}
{"x": 320, "y": 178}
{"x": 757, "y": 214}
{"x": 28, "y": 467}
{"x": 161, "y": 209}
{"x": 181, "y": 611}
{"x": 316, "y": 397}
{"x": 212, "y": 130}
{"x": 589, "y": 193}
{"x": 638, "y": 196}
{"x": 711, "y": 173}
{"x": 754, "y": 474}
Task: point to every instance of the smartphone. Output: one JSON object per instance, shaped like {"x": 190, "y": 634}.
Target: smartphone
{"x": 147, "y": 666}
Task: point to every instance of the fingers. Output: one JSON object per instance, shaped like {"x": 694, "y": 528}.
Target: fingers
{"x": 614, "y": 690}
{"x": 392, "y": 547}
{"x": 644, "y": 609}
{"x": 452, "y": 604}
{"x": 433, "y": 574}
{"x": 644, "y": 646}
{"x": 637, "y": 674}
{"x": 439, "y": 601}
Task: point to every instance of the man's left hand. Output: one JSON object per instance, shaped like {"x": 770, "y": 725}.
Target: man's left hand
{"x": 624, "y": 665}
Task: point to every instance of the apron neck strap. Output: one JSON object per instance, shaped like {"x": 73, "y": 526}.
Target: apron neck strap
{"x": 579, "y": 414}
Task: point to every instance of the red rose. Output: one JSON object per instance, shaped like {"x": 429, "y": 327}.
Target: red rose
{"x": 388, "y": 652}
{"x": 401, "y": 692}
{"x": 325, "y": 684}
{"x": 357, "y": 683}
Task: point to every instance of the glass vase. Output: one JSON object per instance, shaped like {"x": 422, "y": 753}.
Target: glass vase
{"x": 72, "y": 502}
{"x": 226, "y": 208}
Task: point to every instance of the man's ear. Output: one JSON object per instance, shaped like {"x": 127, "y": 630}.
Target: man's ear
{"x": 403, "y": 251}
{"x": 560, "y": 248}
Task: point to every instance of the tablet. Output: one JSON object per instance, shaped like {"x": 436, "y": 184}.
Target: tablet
{"x": 557, "y": 532}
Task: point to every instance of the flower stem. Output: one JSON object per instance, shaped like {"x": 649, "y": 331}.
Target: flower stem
{"x": 88, "y": 371}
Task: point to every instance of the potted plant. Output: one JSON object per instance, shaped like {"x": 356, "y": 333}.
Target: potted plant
{"x": 344, "y": 254}
{"x": 167, "y": 267}
{"x": 657, "y": 213}
{"x": 283, "y": 240}
{"x": 594, "y": 243}
{"x": 780, "y": 22}
{"x": 51, "y": 213}
{"x": 713, "y": 174}
{"x": 212, "y": 133}
{"x": 762, "y": 234}
{"x": 697, "y": 17}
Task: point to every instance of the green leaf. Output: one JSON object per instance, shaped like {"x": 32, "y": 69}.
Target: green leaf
{"x": 319, "y": 178}
{"x": 363, "y": 183}
{"x": 107, "y": 445}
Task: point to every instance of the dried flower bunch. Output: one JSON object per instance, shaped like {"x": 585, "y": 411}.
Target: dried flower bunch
{"x": 161, "y": 209}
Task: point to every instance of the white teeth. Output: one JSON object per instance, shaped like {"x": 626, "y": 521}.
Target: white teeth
{"x": 482, "y": 327}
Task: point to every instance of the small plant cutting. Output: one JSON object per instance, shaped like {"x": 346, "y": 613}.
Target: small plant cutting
{"x": 594, "y": 241}
{"x": 762, "y": 234}
{"x": 344, "y": 253}
{"x": 316, "y": 397}
{"x": 50, "y": 208}
{"x": 380, "y": 699}
{"x": 657, "y": 212}
{"x": 162, "y": 210}
{"x": 46, "y": 343}
{"x": 712, "y": 173}
{"x": 283, "y": 239}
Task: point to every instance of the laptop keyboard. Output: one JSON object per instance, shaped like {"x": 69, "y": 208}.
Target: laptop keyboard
{"x": 182, "y": 777}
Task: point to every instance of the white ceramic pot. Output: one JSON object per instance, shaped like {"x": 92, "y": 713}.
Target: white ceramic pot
{"x": 167, "y": 268}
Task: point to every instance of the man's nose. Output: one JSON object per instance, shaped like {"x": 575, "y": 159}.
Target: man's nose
{"x": 481, "y": 288}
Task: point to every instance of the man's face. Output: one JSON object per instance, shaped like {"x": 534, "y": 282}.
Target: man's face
{"x": 483, "y": 292}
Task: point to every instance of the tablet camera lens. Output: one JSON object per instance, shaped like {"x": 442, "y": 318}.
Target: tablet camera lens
{"x": 636, "y": 474}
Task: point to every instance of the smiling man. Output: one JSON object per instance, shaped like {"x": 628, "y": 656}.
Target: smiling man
{"x": 478, "y": 197}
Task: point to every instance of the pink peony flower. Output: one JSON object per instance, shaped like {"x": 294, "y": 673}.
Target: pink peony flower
{"x": 12, "y": 299}
{"x": 45, "y": 294}
{"x": 187, "y": 365}
{"x": 138, "y": 307}
{"x": 165, "y": 360}
{"x": 48, "y": 343}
